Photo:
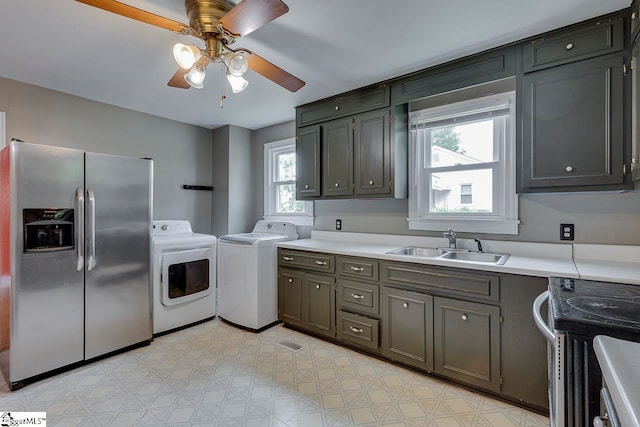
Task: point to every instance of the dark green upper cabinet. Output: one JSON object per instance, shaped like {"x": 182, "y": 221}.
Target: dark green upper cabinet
{"x": 308, "y": 162}
{"x": 337, "y": 158}
{"x": 596, "y": 39}
{"x": 372, "y": 153}
{"x": 465, "y": 72}
{"x": 573, "y": 126}
{"x": 635, "y": 117}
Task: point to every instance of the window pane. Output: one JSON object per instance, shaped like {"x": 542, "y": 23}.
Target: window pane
{"x": 453, "y": 192}
{"x": 287, "y": 202}
{"x": 462, "y": 144}
{"x": 286, "y": 167}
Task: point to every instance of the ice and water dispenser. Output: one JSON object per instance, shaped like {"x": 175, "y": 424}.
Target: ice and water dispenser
{"x": 47, "y": 230}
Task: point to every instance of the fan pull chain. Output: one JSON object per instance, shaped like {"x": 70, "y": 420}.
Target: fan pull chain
{"x": 222, "y": 75}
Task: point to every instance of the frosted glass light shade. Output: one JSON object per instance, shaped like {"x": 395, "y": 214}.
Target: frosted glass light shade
{"x": 238, "y": 64}
{"x": 238, "y": 83}
{"x": 186, "y": 55}
{"x": 195, "y": 77}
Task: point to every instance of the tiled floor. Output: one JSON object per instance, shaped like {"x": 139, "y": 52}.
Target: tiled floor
{"x": 214, "y": 374}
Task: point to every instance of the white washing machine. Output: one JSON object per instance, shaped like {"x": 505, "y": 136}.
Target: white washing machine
{"x": 184, "y": 276}
{"x": 247, "y": 275}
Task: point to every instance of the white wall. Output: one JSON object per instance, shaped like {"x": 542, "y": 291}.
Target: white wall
{"x": 181, "y": 152}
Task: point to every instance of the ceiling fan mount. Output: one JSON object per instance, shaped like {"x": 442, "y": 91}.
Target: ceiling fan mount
{"x": 219, "y": 24}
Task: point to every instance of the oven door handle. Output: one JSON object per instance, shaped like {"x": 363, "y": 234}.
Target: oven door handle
{"x": 537, "y": 317}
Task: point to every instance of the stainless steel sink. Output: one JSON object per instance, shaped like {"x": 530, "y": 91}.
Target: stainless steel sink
{"x": 418, "y": 252}
{"x": 453, "y": 255}
{"x": 479, "y": 257}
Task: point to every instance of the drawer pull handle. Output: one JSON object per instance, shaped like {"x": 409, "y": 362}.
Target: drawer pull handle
{"x": 356, "y": 296}
{"x": 337, "y": 108}
{"x": 317, "y": 286}
{"x": 287, "y": 258}
{"x": 371, "y": 182}
{"x": 356, "y": 330}
{"x": 321, "y": 263}
{"x": 464, "y": 317}
{"x": 569, "y": 46}
{"x": 290, "y": 280}
{"x": 357, "y": 269}
{"x": 569, "y": 168}
{"x": 405, "y": 304}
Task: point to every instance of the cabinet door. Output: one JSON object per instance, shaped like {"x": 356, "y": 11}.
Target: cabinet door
{"x": 635, "y": 115}
{"x": 573, "y": 126}
{"x": 372, "y": 153}
{"x": 290, "y": 297}
{"x": 308, "y": 162}
{"x": 337, "y": 158}
{"x": 407, "y": 333}
{"x": 319, "y": 300}
{"x": 467, "y": 342}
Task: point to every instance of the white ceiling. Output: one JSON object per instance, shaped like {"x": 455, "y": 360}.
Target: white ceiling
{"x": 333, "y": 45}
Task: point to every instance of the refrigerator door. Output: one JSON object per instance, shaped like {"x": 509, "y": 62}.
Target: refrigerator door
{"x": 117, "y": 253}
{"x": 47, "y": 294}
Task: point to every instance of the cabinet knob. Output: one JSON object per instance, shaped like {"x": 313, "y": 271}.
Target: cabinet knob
{"x": 337, "y": 107}
{"x": 321, "y": 263}
{"x": 371, "y": 182}
{"x": 600, "y": 421}
{"x": 357, "y": 269}
{"x": 405, "y": 304}
{"x": 569, "y": 46}
{"x": 306, "y": 186}
{"x": 464, "y": 317}
{"x": 357, "y": 296}
{"x": 634, "y": 15}
{"x": 356, "y": 330}
{"x": 317, "y": 286}
{"x": 287, "y": 258}
{"x": 337, "y": 184}
{"x": 569, "y": 168}
{"x": 290, "y": 280}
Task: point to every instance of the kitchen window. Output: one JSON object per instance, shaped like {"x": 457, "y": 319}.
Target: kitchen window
{"x": 280, "y": 202}
{"x": 462, "y": 167}
{"x": 3, "y": 140}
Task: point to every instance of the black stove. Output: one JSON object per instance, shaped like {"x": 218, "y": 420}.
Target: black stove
{"x": 592, "y": 308}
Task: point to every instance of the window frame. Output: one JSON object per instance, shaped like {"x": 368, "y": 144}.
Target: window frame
{"x": 3, "y": 135}
{"x": 271, "y": 151}
{"x": 504, "y": 216}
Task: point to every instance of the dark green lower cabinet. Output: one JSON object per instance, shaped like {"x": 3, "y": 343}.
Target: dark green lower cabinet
{"x": 467, "y": 342}
{"x": 318, "y": 304}
{"x": 407, "y": 332}
{"x": 307, "y": 301}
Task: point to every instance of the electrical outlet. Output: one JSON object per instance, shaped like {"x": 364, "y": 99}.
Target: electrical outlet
{"x": 338, "y": 224}
{"x": 567, "y": 232}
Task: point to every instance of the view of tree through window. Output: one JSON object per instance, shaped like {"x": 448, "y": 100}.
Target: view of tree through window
{"x": 286, "y": 185}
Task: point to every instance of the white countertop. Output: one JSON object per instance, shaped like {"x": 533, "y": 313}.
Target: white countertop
{"x": 593, "y": 262}
{"x": 620, "y": 366}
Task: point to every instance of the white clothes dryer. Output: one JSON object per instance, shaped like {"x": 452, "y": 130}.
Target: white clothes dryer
{"x": 247, "y": 275}
{"x": 184, "y": 276}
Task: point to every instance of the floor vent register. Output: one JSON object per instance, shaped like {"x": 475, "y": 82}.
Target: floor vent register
{"x": 290, "y": 346}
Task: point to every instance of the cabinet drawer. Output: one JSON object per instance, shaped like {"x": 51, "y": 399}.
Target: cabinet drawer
{"x": 358, "y": 267}
{"x": 307, "y": 260}
{"x": 359, "y": 296}
{"x": 582, "y": 43}
{"x": 449, "y": 281}
{"x": 343, "y": 105}
{"x": 359, "y": 330}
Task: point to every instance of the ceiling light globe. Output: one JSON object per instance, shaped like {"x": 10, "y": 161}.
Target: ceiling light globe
{"x": 195, "y": 77}
{"x": 186, "y": 55}
{"x": 238, "y": 83}
{"x": 238, "y": 64}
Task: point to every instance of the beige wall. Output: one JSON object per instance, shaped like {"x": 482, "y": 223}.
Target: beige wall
{"x": 181, "y": 152}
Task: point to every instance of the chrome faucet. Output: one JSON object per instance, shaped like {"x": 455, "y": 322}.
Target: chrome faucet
{"x": 451, "y": 235}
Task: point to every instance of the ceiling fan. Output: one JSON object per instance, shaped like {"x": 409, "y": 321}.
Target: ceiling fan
{"x": 218, "y": 23}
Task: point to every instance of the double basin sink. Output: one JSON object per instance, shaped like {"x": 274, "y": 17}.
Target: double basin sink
{"x": 452, "y": 254}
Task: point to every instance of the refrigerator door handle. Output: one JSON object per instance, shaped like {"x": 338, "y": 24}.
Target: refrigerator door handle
{"x": 92, "y": 229}
{"x": 80, "y": 228}
{"x": 537, "y": 317}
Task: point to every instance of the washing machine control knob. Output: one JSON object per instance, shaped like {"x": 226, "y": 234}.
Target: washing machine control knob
{"x": 165, "y": 227}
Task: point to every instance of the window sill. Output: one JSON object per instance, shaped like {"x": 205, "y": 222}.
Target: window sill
{"x": 303, "y": 220}
{"x": 471, "y": 225}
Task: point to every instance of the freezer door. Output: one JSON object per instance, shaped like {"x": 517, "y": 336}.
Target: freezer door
{"x": 47, "y": 294}
{"x": 118, "y": 235}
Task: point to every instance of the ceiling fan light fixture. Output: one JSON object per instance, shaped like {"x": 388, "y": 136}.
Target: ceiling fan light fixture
{"x": 186, "y": 55}
{"x": 238, "y": 83}
{"x": 238, "y": 64}
{"x": 195, "y": 77}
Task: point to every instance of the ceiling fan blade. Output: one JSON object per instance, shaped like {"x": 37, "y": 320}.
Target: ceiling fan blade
{"x": 178, "y": 79}
{"x": 249, "y": 15}
{"x": 137, "y": 14}
{"x": 272, "y": 72}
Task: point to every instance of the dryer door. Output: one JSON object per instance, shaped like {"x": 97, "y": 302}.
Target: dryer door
{"x": 186, "y": 275}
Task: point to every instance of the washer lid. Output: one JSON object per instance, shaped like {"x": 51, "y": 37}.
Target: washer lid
{"x": 250, "y": 238}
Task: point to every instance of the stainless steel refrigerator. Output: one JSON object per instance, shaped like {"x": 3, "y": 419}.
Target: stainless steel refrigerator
{"x": 75, "y": 230}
